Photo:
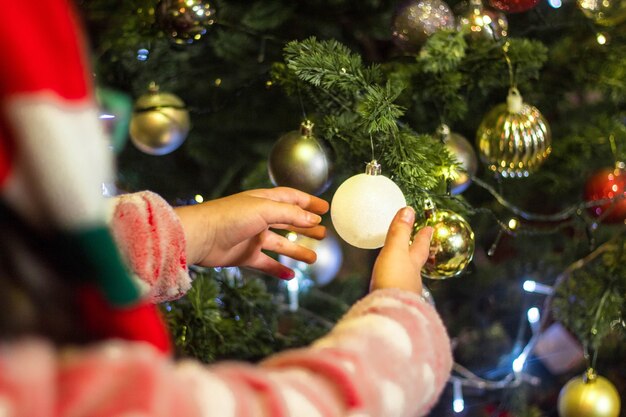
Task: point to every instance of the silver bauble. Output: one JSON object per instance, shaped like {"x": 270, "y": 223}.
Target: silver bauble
{"x": 464, "y": 152}
{"x": 300, "y": 161}
{"x": 417, "y": 20}
{"x": 329, "y": 258}
{"x": 480, "y": 22}
{"x": 160, "y": 122}
{"x": 514, "y": 138}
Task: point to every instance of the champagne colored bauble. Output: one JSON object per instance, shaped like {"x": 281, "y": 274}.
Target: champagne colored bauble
{"x": 514, "y": 6}
{"x": 589, "y": 396}
{"x": 464, "y": 152}
{"x": 514, "y": 138}
{"x": 185, "y": 21}
{"x": 416, "y": 20}
{"x": 604, "y": 12}
{"x": 329, "y": 258}
{"x": 480, "y": 22}
{"x": 300, "y": 161}
{"x": 607, "y": 184}
{"x": 451, "y": 247}
{"x": 160, "y": 122}
{"x": 364, "y": 206}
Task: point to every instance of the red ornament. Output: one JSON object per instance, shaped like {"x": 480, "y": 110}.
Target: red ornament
{"x": 605, "y": 184}
{"x": 513, "y": 6}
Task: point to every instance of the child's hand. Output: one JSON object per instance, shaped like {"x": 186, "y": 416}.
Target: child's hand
{"x": 399, "y": 264}
{"x": 232, "y": 231}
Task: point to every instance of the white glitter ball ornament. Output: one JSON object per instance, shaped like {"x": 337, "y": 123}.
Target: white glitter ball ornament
{"x": 364, "y": 206}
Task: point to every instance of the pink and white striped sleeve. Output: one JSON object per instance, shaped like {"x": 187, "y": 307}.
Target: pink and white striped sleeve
{"x": 390, "y": 356}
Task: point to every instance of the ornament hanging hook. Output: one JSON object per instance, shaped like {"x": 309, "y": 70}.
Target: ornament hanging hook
{"x": 509, "y": 63}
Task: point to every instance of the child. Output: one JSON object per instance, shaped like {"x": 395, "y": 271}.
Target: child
{"x": 389, "y": 356}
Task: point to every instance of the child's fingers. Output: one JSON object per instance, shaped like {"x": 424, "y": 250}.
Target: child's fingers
{"x": 399, "y": 233}
{"x": 283, "y": 246}
{"x": 315, "y": 232}
{"x": 292, "y": 196}
{"x": 420, "y": 247}
{"x": 266, "y": 264}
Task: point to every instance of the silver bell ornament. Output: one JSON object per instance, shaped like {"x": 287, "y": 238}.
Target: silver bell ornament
{"x": 160, "y": 122}
{"x": 463, "y": 151}
{"x": 478, "y": 21}
{"x": 364, "y": 206}
{"x": 416, "y": 20}
{"x": 300, "y": 161}
{"x": 514, "y": 138}
{"x": 452, "y": 244}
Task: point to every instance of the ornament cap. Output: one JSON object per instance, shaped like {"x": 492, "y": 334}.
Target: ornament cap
{"x": 590, "y": 376}
{"x": 429, "y": 208}
{"x": 373, "y": 168}
{"x": 443, "y": 132}
{"x": 306, "y": 128}
{"x": 153, "y": 87}
{"x": 514, "y": 101}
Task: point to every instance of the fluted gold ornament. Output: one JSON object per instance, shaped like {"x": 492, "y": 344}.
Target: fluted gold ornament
{"x": 464, "y": 152}
{"x": 160, "y": 122}
{"x": 299, "y": 160}
{"x": 452, "y": 244}
{"x": 416, "y": 20}
{"x": 514, "y": 138}
{"x": 480, "y": 22}
{"x": 604, "y": 12}
{"x": 589, "y": 395}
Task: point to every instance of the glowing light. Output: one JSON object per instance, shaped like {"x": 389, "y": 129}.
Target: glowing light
{"x": 198, "y": 198}
{"x": 518, "y": 364}
{"x": 532, "y": 286}
{"x": 293, "y": 285}
{"x": 292, "y": 237}
{"x": 601, "y": 38}
{"x": 218, "y": 82}
{"x": 513, "y": 223}
{"x": 533, "y": 315}
{"x": 458, "y": 404}
{"x": 106, "y": 116}
{"x": 555, "y": 4}
{"x": 142, "y": 54}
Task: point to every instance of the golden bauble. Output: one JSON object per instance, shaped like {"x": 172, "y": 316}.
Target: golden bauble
{"x": 185, "y": 21}
{"x": 480, "y": 22}
{"x": 464, "y": 152}
{"x": 160, "y": 122}
{"x": 585, "y": 396}
{"x": 417, "y": 20}
{"x": 604, "y": 12}
{"x": 300, "y": 161}
{"x": 451, "y": 247}
{"x": 514, "y": 138}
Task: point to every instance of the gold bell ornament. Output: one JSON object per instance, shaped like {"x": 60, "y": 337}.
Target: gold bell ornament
{"x": 160, "y": 122}
{"x": 452, "y": 244}
{"x": 589, "y": 395}
{"x": 514, "y": 138}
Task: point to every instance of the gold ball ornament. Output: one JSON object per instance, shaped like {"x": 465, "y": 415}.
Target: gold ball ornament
{"x": 364, "y": 206}
{"x": 589, "y": 396}
{"x": 185, "y": 21}
{"x": 452, "y": 244}
{"x": 416, "y": 20}
{"x": 300, "y": 161}
{"x": 604, "y": 12}
{"x": 160, "y": 122}
{"x": 464, "y": 152}
{"x": 478, "y": 21}
{"x": 514, "y": 138}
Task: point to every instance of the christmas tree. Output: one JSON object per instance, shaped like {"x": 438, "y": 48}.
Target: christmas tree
{"x": 507, "y": 117}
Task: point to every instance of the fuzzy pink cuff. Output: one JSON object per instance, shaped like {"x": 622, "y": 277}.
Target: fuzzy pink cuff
{"x": 152, "y": 241}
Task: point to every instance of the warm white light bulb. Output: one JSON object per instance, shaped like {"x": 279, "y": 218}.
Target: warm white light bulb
{"x": 363, "y": 207}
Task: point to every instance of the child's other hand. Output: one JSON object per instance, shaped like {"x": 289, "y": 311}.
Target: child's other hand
{"x": 233, "y": 231}
{"x": 399, "y": 264}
